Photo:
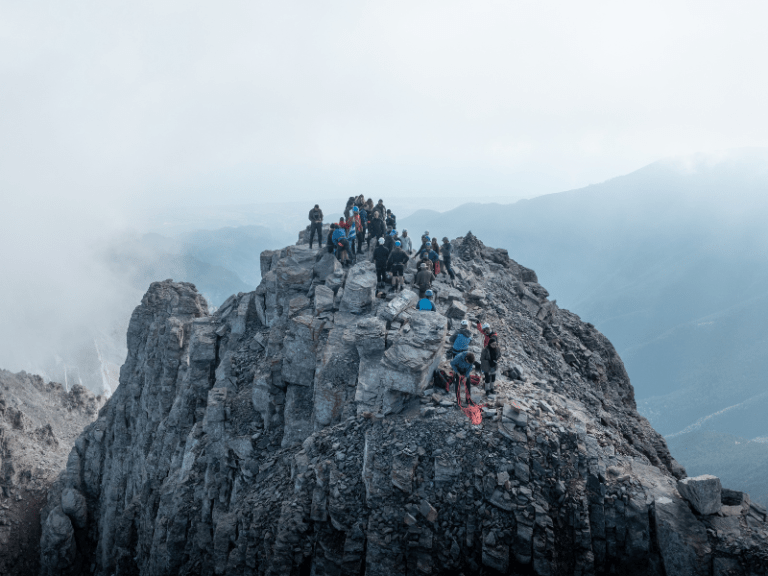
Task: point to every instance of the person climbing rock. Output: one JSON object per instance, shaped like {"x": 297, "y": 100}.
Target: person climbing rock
{"x": 396, "y": 263}
{"x": 489, "y": 360}
{"x": 434, "y": 257}
{"x": 391, "y": 219}
{"x": 460, "y": 339}
{"x": 447, "y": 251}
{"x": 406, "y": 242}
{"x": 462, "y": 365}
{"x": 488, "y": 333}
{"x": 426, "y": 303}
{"x": 380, "y": 258}
{"x": 316, "y": 225}
{"x": 423, "y": 279}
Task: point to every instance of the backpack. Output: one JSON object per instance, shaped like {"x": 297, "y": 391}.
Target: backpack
{"x": 442, "y": 379}
{"x": 461, "y": 343}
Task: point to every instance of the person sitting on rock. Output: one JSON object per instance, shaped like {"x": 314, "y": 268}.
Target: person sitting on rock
{"x": 343, "y": 251}
{"x": 460, "y": 339}
{"x": 423, "y": 279}
{"x": 488, "y": 333}
{"x": 462, "y": 365}
{"x": 427, "y": 262}
{"x": 339, "y": 232}
{"x": 446, "y": 251}
{"x": 489, "y": 360}
{"x": 316, "y": 225}
{"x": 396, "y": 262}
{"x": 405, "y": 240}
{"x": 380, "y": 258}
{"x": 426, "y": 304}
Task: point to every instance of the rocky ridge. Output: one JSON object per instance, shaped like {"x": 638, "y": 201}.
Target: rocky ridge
{"x": 39, "y": 423}
{"x": 296, "y": 431}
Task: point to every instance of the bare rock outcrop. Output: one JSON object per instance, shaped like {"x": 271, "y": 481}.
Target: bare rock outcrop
{"x": 296, "y": 431}
{"x": 39, "y": 423}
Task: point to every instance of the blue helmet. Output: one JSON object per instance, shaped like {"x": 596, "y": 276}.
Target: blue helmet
{"x": 429, "y": 293}
{"x": 393, "y": 233}
{"x": 355, "y": 209}
{"x": 397, "y": 243}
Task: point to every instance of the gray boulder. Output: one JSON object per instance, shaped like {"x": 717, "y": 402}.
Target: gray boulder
{"x": 702, "y": 492}
{"x": 359, "y": 289}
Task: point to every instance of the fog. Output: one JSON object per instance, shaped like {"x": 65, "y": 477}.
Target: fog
{"x": 126, "y": 117}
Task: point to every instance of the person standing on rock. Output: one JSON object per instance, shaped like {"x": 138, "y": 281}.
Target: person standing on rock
{"x": 316, "y": 225}
{"x": 329, "y": 241}
{"x": 423, "y": 279}
{"x": 375, "y": 228}
{"x": 488, "y": 333}
{"x": 380, "y": 258}
{"x": 447, "y": 251}
{"x": 352, "y": 232}
{"x": 362, "y": 216}
{"x": 405, "y": 240}
{"x": 461, "y": 339}
{"x": 348, "y": 207}
{"x": 391, "y": 220}
{"x": 426, "y": 304}
{"x": 381, "y": 209}
{"x": 434, "y": 257}
{"x": 396, "y": 262}
{"x": 489, "y": 360}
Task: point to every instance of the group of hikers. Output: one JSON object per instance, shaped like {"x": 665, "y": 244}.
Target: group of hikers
{"x": 365, "y": 222}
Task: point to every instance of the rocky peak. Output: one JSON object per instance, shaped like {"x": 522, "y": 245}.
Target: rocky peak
{"x": 297, "y": 430}
{"x": 39, "y": 423}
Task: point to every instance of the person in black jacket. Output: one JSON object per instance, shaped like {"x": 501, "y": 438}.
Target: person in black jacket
{"x": 391, "y": 220}
{"x": 376, "y": 228}
{"x": 447, "y": 252}
{"x": 316, "y": 225}
{"x": 380, "y": 258}
{"x": 396, "y": 262}
{"x": 329, "y": 240}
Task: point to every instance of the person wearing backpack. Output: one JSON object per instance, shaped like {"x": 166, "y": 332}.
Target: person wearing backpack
{"x": 489, "y": 360}
{"x": 461, "y": 339}
{"x": 396, "y": 262}
{"x": 423, "y": 279}
{"x": 488, "y": 333}
{"x": 426, "y": 304}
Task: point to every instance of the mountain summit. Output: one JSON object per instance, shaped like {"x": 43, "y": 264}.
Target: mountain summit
{"x": 297, "y": 431}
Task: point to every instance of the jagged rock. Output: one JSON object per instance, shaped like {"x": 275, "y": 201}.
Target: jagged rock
{"x": 404, "y": 300}
{"x": 457, "y": 310}
{"x": 310, "y": 442}
{"x": 702, "y": 492}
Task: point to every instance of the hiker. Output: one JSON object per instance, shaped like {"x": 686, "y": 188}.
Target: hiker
{"x": 316, "y": 225}
{"x": 329, "y": 241}
{"x": 462, "y": 365}
{"x": 381, "y": 209}
{"x": 426, "y": 303}
{"x": 390, "y": 239}
{"x": 380, "y": 258}
{"x": 405, "y": 240}
{"x": 488, "y": 333}
{"x": 362, "y": 215}
{"x": 348, "y": 207}
{"x": 423, "y": 279}
{"x": 447, "y": 253}
{"x": 391, "y": 219}
{"x": 360, "y": 202}
{"x": 460, "y": 339}
{"x": 343, "y": 251}
{"x": 434, "y": 257}
{"x": 352, "y": 231}
{"x": 427, "y": 262}
{"x": 375, "y": 228}
{"x": 425, "y": 249}
{"x": 396, "y": 262}
{"x": 343, "y": 224}
{"x": 489, "y": 360}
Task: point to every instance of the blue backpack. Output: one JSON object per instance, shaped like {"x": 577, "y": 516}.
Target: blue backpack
{"x": 461, "y": 343}
{"x": 426, "y": 304}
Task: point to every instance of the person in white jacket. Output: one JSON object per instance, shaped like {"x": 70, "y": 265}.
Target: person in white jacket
{"x": 405, "y": 242}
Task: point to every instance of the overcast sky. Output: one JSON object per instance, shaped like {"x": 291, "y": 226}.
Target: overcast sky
{"x": 152, "y": 102}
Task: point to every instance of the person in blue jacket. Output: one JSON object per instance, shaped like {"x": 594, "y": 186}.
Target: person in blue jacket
{"x": 462, "y": 365}
{"x": 461, "y": 339}
{"x": 426, "y": 304}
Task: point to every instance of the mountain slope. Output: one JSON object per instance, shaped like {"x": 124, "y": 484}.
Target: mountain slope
{"x": 296, "y": 431}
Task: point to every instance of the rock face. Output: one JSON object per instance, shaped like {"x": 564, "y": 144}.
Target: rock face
{"x": 295, "y": 431}
{"x": 39, "y": 423}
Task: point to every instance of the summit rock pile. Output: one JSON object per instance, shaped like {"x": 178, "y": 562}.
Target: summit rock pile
{"x": 296, "y": 431}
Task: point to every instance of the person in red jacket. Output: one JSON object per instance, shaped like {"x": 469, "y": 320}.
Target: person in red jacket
{"x": 487, "y": 333}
